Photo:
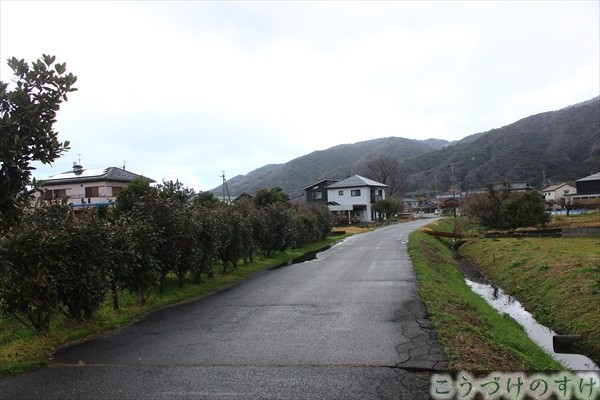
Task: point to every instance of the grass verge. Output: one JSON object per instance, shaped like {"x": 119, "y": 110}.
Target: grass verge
{"x": 556, "y": 279}
{"x": 21, "y": 349}
{"x": 472, "y": 334}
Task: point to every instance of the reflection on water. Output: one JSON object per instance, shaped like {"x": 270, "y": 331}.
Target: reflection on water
{"x": 505, "y": 304}
{"x": 303, "y": 258}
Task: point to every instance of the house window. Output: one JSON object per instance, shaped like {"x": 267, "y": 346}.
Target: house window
{"x": 116, "y": 190}
{"x": 55, "y": 194}
{"x": 341, "y": 193}
{"x": 355, "y": 193}
{"x": 91, "y": 191}
{"x": 317, "y": 195}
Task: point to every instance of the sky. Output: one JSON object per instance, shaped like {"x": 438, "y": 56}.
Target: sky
{"x": 193, "y": 90}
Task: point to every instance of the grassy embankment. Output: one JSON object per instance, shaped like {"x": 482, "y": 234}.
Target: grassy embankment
{"x": 21, "y": 349}
{"x": 556, "y": 279}
{"x": 472, "y": 334}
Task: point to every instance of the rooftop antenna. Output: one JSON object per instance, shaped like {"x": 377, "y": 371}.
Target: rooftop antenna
{"x": 123, "y": 164}
{"x": 225, "y": 188}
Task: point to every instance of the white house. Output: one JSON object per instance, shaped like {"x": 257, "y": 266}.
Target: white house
{"x": 557, "y": 193}
{"x": 354, "y": 196}
{"x": 87, "y": 187}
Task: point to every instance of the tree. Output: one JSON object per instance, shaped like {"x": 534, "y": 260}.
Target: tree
{"x": 264, "y": 197}
{"x": 84, "y": 260}
{"x": 27, "y": 117}
{"x": 32, "y": 267}
{"x": 205, "y": 229}
{"x": 132, "y": 194}
{"x": 274, "y": 228}
{"x": 523, "y": 210}
{"x": 485, "y": 208}
{"x": 140, "y": 265}
{"x": 502, "y": 208}
{"x": 386, "y": 170}
{"x": 176, "y": 191}
{"x": 385, "y": 207}
{"x": 205, "y": 199}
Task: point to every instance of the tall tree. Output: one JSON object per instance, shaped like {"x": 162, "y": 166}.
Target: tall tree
{"x": 387, "y": 170}
{"x": 264, "y": 197}
{"x": 27, "y": 117}
{"x": 133, "y": 193}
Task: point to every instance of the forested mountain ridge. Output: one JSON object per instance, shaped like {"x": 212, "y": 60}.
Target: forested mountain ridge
{"x": 562, "y": 146}
{"x": 336, "y": 162}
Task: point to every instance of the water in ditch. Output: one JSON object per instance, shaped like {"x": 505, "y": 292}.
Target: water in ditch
{"x": 300, "y": 259}
{"x": 506, "y": 304}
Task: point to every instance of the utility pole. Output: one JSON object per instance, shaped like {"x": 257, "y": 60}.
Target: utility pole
{"x": 543, "y": 179}
{"x": 453, "y": 190}
{"x": 225, "y": 189}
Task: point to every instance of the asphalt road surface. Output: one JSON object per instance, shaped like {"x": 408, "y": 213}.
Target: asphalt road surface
{"x": 347, "y": 325}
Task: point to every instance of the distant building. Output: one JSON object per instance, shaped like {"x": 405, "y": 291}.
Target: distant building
{"x": 242, "y": 197}
{"x": 352, "y": 197}
{"x": 446, "y": 202}
{"x": 515, "y": 186}
{"x": 557, "y": 193}
{"x": 411, "y": 203}
{"x": 588, "y": 192}
{"x": 87, "y": 187}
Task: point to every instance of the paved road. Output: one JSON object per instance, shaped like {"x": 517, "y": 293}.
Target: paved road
{"x": 348, "y": 325}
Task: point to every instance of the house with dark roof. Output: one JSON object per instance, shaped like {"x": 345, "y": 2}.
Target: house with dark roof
{"x": 316, "y": 193}
{"x": 87, "y": 187}
{"x": 352, "y": 197}
{"x": 588, "y": 192}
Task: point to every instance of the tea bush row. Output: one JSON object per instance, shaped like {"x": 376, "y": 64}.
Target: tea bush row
{"x": 60, "y": 260}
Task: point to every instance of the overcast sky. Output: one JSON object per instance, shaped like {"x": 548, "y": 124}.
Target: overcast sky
{"x": 186, "y": 90}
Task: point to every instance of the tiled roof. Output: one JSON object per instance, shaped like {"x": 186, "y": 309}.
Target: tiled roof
{"x": 91, "y": 175}
{"x": 554, "y": 187}
{"x": 355, "y": 181}
{"x": 318, "y": 183}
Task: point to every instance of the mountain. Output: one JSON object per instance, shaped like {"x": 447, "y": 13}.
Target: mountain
{"x": 547, "y": 148}
{"x": 336, "y": 162}
{"x": 561, "y": 146}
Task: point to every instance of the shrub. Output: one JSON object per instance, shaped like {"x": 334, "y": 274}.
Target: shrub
{"x": 84, "y": 263}
{"x": 504, "y": 209}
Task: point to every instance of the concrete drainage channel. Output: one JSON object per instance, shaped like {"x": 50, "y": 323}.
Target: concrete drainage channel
{"x": 556, "y": 345}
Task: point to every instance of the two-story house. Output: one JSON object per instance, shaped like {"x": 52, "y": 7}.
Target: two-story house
{"x": 557, "y": 193}
{"x": 353, "y": 197}
{"x": 86, "y": 187}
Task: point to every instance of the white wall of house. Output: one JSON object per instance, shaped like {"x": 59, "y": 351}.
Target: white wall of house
{"x": 89, "y": 192}
{"x": 355, "y": 196}
{"x": 558, "y": 193}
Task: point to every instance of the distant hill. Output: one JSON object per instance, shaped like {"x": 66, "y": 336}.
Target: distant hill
{"x": 337, "y": 162}
{"x": 564, "y": 145}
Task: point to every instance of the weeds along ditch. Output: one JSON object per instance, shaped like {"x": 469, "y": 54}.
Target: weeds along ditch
{"x": 582, "y": 274}
{"x": 557, "y": 280}
{"x": 472, "y": 334}
{"x": 506, "y": 304}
